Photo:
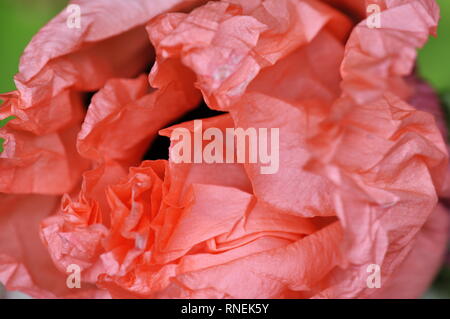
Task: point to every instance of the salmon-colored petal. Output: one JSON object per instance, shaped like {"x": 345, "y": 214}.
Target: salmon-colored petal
{"x": 76, "y": 233}
{"x": 282, "y": 272}
{"x": 376, "y": 59}
{"x": 44, "y": 164}
{"x": 415, "y": 274}
{"x": 290, "y": 188}
{"x": 309, "y": 73}
{"x": 212, "y": 267}
{"x": 24, "y": 264}
{"x": 61, "y": 111}
{"x": 133, "y": 249}
{"x": 385, "y": 194}
{"x": 182, "y": 175}
{"x": 209, "y": 211}
{"x": 262, "y": 221}
{"x": 387, "y": 191}
{"x": 227, "y": 44}
{"x": 157, "y": 281}
{"x": 125, "y": 116}
{"x": 61, "y": 57}
{"x": 359, "y": 175}
{"x": 133, "y": 202}
{"x": 123, "y": 104}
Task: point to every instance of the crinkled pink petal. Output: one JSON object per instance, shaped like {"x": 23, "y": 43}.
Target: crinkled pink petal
{"x": 184, "y": 174}
{"x": 423, "y": 261}
{"x": 76, "y": 233}
{"x": 312, "y": 192}
{"x": 226, "y": 44}
{"x": 46, "y": 163}
{"x": 309, "y": 74}
{"x": 385, "y": 192}
{"x": 25, "y": 265}
{"x": 359, "y": 177}
{"x": 281, "y": 272}
{"x": 59, "y": 57}
{"x": 126, "y": 114}
{"x": 376, "y": 59}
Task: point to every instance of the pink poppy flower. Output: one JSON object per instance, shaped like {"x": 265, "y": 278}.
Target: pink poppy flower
{"x": 362, "y": 162}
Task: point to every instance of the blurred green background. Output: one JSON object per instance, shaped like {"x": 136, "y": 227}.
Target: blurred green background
{"x": 432, "y": 58}
{"x": 21, "y": 19}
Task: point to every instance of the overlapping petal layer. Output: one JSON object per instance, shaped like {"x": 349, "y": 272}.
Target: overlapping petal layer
{"x": 360, "y": 170}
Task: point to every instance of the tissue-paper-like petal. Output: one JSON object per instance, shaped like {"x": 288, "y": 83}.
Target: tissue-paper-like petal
{"x": 43, "y": 162}
{"x": 226, "y": 43}
{"x": 63, "y": 56}
{"x": 126, "y": 114}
